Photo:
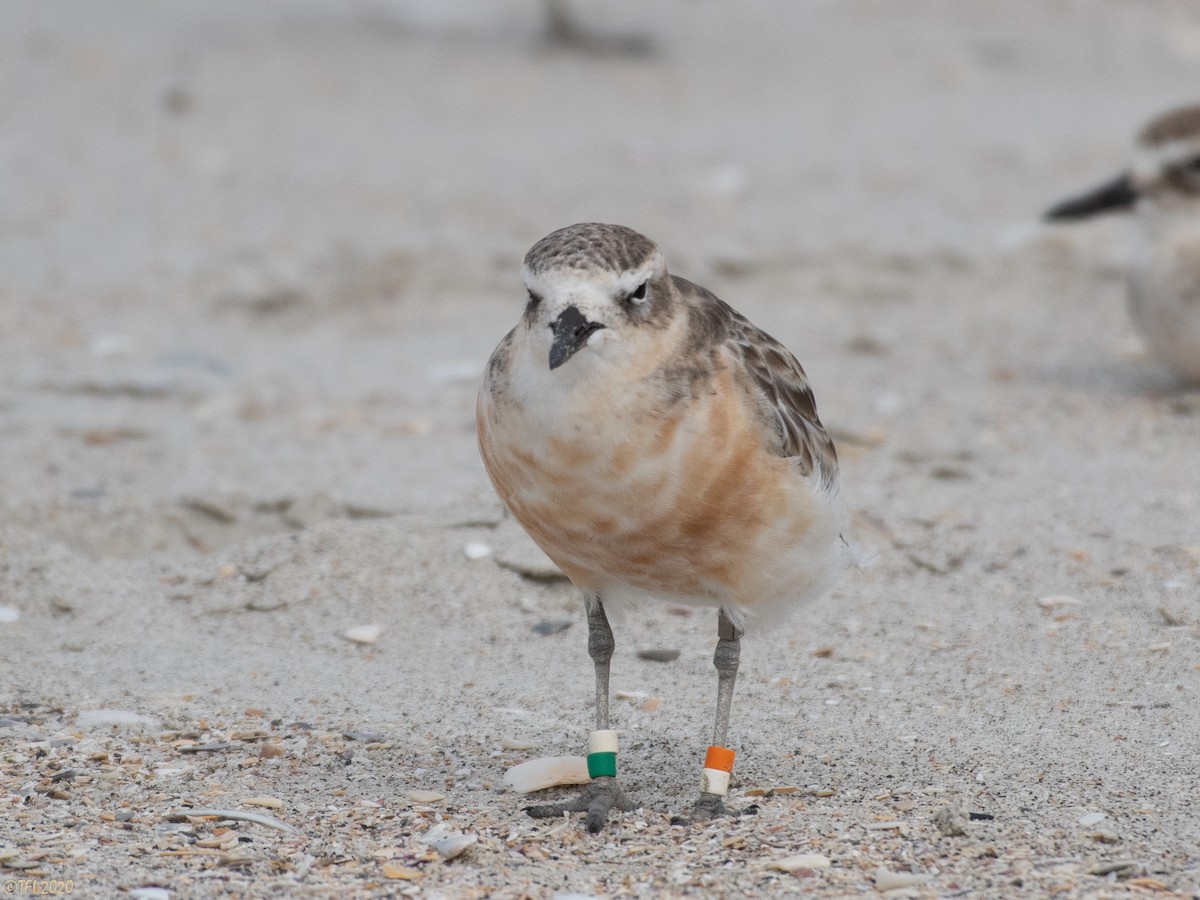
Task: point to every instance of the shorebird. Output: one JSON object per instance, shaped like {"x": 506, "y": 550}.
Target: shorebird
{"x": 656, "y": 444}
{"x": 1163, "y": 188}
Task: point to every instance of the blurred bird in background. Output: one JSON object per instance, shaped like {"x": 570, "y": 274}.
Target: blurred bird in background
{"x": 1162, "y": 189}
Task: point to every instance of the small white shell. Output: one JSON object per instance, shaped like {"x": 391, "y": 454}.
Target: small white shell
{"x": 363, "y": 634}
{"x": 549, "y": 771}
{"x": 799, "y": 861}
{"x": 454, "y": 845}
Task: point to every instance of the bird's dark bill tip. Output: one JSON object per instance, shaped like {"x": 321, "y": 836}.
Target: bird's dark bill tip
{"x": 1113, "y": 196}
{"x": 571, "y": 331}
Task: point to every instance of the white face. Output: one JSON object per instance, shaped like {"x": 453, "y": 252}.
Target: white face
{"x": 1169, "y": 173}
{"x": 579, "y": 319}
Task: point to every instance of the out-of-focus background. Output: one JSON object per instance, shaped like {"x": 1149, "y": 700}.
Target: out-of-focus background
{"x": 252, "y": 260}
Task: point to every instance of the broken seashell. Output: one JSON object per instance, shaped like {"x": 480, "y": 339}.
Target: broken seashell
{"x": 886, "y": 880}
{"x": 447, "y": 843}
{"x": 425, "y": 796}
{"x": 98, "y": 718}
{"x": 546, "y": 772}
{"x": 517, "y": 744}
{"x": 799, "y": 861}
{"x": 265, "y": 802}
{"x": 454, "y": 845}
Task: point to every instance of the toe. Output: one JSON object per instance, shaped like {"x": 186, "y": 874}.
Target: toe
{"x": 597, "y": 799}
{"x": 712, "y": 806}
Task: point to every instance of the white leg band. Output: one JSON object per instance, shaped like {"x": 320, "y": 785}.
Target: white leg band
{"x": 602, "y": 742}
{"x": 714, "y": 781}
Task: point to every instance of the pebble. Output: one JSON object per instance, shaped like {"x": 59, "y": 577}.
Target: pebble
{"x": 660, "y": 654}
{"x": 1092, "y": 818}
{"x": 363, "y": 634}
{"x": 516, "y": 551}
{"x": 218, "y": 509}
{"x": 150, "y": 893}
{"x": 1107, "y": 868}
{"x": 267, "y": 601}
{"x": 9, "y": 614}
{"x": 951, "y": 820}
{"x": 477, "y": 550}
{"x": 552, "y": 626}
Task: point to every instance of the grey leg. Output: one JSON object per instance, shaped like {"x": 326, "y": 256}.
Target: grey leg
{"x": 726, "y": 657}
{"x": 729, "y": 649}
{"x": 604, "y": 793}
{"x": 600, "y": 649}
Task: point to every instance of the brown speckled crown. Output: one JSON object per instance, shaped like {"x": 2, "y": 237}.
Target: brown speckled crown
{"x": 1178, "y": 124}
{"x": 590, "y": 245}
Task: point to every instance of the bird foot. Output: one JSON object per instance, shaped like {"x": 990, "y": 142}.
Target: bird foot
{"x": 712, "y": 806}
{"x": 596, "y": 800}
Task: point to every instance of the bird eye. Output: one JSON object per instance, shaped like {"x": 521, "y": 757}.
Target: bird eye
{"x": 1192, "y": 166}
{"x": 533, "y": 298}
{"x": 637, "y": 294}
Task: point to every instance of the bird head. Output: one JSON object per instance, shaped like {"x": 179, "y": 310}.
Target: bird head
{"x": 598, "y": 294}
{"x": 1165, "y": 174}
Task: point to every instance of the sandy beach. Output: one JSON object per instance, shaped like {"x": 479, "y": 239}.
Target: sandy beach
{"x": 253, "y": 258}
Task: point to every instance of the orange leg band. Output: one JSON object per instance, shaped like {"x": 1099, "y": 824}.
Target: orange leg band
{"x": 720, "y": 758}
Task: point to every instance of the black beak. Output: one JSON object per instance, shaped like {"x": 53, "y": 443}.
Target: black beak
{"x": 571, "y": 331}
{"x": 1114, "y": 196}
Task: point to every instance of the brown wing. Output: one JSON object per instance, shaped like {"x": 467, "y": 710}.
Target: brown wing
{"x": 777, "y": 377}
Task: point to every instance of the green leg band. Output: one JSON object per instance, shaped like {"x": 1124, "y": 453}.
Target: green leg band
{"x": 601, "y": 765}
